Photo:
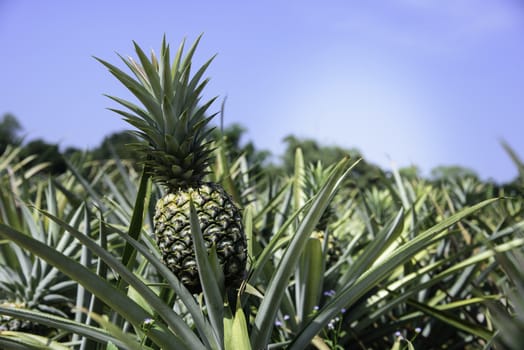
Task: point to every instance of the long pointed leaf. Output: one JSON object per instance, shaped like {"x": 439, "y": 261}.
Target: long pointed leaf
{"x": 96, "y": 285}
{"x": 379, "y": 272}
{"x": 277, "y": 286}
{"x": 172, "y": 319}
{"x": 208, "y": 280}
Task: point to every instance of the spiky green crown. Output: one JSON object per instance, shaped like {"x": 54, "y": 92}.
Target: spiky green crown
{"x": 171, "y": 123}
{"x": 314, "y": 178}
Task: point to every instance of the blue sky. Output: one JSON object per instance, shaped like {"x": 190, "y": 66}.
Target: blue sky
{"x": 411, "y": 82}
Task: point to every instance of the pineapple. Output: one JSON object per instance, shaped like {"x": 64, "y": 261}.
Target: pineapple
{"x": 172, "y": 128}
{"x": 16, "y": 325}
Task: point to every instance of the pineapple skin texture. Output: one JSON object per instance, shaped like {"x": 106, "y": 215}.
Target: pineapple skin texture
{"x": 221, "y": 224}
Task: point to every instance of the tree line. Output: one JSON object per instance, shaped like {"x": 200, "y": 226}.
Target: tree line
{"x": 116, "y": 144}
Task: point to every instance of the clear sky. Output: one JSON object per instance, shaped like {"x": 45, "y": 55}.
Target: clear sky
{"x": 426, "y": 83}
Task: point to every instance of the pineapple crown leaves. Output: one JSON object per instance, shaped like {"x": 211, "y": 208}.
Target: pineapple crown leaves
{"x": 315, "y": 176}
{"x": 172, "y": 121}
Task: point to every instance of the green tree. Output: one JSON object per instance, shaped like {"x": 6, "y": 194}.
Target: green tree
{"x": 10, "y": 128}
{"x": 362, "y": 175}
{"x": 232, "y": 135}
{"x": 119, "y": 143}
{"x": 45, "y": 152}
{"x": 312, "y": 152}
{"x": 451, "y": 171}
{"x": 410, "y": 172}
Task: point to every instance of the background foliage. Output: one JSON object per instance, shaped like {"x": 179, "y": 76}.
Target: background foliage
{"x": 343, "y": 253}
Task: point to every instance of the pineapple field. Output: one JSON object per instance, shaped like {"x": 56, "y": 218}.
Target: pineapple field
{"x": 185, "y": 240}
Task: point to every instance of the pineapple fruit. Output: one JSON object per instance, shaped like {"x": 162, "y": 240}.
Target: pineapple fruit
{"x": 17, "y": 325}
{"x": 172, "y": 127}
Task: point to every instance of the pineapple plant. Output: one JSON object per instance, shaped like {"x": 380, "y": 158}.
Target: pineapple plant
{"x": 310, "y": 179}
{"x": 315, "y": 176}
{"x": 173, "y": 127}
{"x": 29, "y": 283}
